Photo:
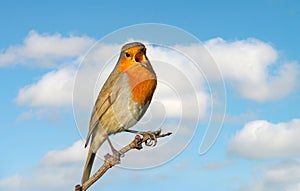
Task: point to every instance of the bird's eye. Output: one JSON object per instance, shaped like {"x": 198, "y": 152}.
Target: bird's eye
{"x": 127, "y": 54}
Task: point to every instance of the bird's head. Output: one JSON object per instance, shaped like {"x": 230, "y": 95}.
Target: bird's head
{"x": 132, "y": 54}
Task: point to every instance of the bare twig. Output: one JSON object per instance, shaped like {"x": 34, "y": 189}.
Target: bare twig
{"x": 149, "y": 138}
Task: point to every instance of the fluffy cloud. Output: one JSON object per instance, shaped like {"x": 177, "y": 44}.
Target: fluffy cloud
{"x": 250, "y": 65}
{"x": 62, "y": 169}
{"x": 53, "y": 89}
{"x": 284, "y": 175}
{"x": 263, "y": 140}
{"x": 45, "y": 50}
{"x": 73, "y": 154}
{"x": 59, "y": 169}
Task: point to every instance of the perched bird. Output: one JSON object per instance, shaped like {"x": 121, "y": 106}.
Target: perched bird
{"x": 123, "y": 99}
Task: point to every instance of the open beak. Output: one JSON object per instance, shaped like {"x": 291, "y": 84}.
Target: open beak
{"x": 140, "y": 56}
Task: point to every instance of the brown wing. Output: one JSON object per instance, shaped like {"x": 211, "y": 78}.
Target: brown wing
{"x": 106, "y": 98}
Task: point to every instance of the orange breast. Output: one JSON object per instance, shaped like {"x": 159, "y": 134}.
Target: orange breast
{"x": 142, "y": 82}
{"x": 143, "y": 92}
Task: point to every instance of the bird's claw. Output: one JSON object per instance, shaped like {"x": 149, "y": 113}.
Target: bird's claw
{"x": 150, "y": 137}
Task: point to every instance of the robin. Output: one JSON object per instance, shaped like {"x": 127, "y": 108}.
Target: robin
{"x": 122, "y": 101}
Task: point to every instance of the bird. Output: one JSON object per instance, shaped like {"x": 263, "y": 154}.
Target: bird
{"x": 122, "y": 101}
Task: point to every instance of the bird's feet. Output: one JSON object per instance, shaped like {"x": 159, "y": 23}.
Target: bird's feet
{"x": 150, "y": 137}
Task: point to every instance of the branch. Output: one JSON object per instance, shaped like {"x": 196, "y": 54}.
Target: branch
{"x": 149, "y": 138}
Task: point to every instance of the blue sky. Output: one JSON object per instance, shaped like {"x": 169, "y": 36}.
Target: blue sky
{"x": 255, "y": 44}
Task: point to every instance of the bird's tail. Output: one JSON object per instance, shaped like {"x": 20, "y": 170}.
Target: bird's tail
{"x": 88, "y": 166}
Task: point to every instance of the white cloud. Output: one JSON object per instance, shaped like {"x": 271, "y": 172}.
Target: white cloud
{"x": 262, "y": 140}
{"x": 62, "y": 170}
{"x": 59, "y": 169}
{"x": 75, "y": 153}
{"x": 250, "y": 66}
{"x": 45, "y": 50}
{"x": 245, "y": 64}
{"x": 280, "y": 176}
{"x": 53, "y": 89}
